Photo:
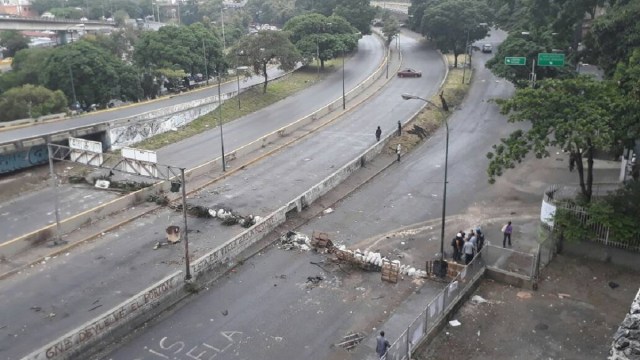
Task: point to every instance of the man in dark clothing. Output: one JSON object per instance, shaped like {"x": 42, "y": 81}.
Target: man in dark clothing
{"x": 378, "y": 133}
{"x": 507, "y": 230}
{"x": 480, "y": 237}
{"x": 454, "y": 245}
{"x": 382, "y": 345}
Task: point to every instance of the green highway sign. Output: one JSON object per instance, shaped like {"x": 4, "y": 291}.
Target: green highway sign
{"x": 515, "y": 60}
{"x": 550, "y": 59}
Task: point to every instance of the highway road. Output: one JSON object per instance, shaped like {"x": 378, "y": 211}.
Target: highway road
{"x": 122, "y": 262}
{"x": 39, "y": 205}
{"x": 268, "y": 310}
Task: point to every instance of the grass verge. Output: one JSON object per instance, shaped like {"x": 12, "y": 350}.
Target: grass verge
{"x": 250, "y": 101}
{"x": 430, "y": 119}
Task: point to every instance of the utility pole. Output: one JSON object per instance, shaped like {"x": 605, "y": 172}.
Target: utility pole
{"x": 185, "y": 232}
{"x": 224, "y": 163}
{"x": 73, "y": 88}
{"x": 204, "y": 55}
{"x": 54, "y": 186}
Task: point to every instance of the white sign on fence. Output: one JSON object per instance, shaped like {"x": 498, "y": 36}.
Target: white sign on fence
{"x": 143, "y": 162}
{"x": 86, "y": 151}
{"x": 547, "y": 211}
{"x": 140, "y": 155}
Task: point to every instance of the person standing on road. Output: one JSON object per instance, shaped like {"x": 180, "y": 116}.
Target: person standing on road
{"x": 507, "y": 230}
{"x": 382, "y": 345}
{"x": 399, "y": 128}
{"x": 378, "y": 133}
{"x": 468, "y": 249}
{"x": 474, "y": 240}
{"x": 480, "y": 236}
{"x": 456, "y": 248}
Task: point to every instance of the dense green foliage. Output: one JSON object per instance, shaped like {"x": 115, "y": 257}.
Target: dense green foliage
{"x": 619, "y": 212}
{"x": 259, "y": 49}
{"x": 13, "y": 41}
{"x": 97, "y": 75}
{"x": 579, "y": 115}
{"x": 316, "y": 35}
{"x": 454, "y": 24}
{"x": 30, "y": 101}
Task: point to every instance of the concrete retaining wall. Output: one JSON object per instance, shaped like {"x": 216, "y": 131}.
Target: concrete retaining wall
{"x": 92, "y": 336}
{"x": 128, "y": 131}
{"x": 510, "y": 278}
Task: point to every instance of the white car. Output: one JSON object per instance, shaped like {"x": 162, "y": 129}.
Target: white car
{"x": 487, "y": 48}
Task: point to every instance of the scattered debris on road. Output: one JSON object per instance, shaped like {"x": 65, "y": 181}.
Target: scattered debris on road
{"x": 350, "y": 341}
{"x": 294, "y": 240}
{"x": 313, "y": 281}
{"x": 455, "y": 323}
{"x": 327, "y": 211}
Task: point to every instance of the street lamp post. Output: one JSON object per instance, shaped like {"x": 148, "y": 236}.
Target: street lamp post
{"x": 441, "y": 268}
{"x": 73, "y": 88}
{"x": 204, "y": 55}
{"x": 224, "y": 163}
{"x": 224, "y": 41}
{"x": 344, "y": 99}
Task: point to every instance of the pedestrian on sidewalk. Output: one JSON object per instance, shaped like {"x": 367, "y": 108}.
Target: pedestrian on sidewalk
{"x": 399, "y": 128}
{"x": 468, "y": 251}
{"x": 398, "y": 151}
{"x": 507, "y": 230}
{"x": 382, "y": 345}
{"x": 378, "y": 133}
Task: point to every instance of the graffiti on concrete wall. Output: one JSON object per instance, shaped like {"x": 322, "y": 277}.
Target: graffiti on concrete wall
{"x": 23, "y": 159}
{"x": 132, "y": 133}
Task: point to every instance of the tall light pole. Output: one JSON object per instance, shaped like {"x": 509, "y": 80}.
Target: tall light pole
{"x": 441, "y": 268}
{"x": 73, "y": 88}
{"x": 204, "y": 56}
{"x": 224, "y": 163}
{"x": 467, "y": 51}
{"x": 224, "y": 41}
{"x": 344, "y": 98}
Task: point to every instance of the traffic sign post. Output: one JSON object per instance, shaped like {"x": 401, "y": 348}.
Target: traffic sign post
{"x": 511, "y": 60}
{"x": 551, "y": 59}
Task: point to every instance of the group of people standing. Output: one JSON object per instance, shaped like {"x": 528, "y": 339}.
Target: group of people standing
{"x": 466, "y": 246}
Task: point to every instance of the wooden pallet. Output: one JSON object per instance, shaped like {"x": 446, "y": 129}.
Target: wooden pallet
{"x": 390, "y": 271}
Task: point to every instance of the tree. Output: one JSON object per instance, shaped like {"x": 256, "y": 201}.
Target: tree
{"x": 578, "y": 115}
{"x": 529, "y": 46}
{"x": 97, "y": 75}
{"x": 30, "y": 101}
{"x": 358, "y": 12}
{"x": 13, "y": 41}
{"x": 180, "y": 47}
{"x": 454, "y": 22}
{"x": 325, "y": 37}
{"x": 265, "y": 46}
{"x": 613, "y": 36}
{"x": 390, "y": 29}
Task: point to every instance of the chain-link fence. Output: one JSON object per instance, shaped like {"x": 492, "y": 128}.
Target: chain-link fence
{"x": 437, "y": 309}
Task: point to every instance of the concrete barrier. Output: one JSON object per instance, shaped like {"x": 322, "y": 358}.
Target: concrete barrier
{"x": 94, "y": 335}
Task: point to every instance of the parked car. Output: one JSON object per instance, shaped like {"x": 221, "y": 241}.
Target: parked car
{"x": 487, "y": 48}
{"x": 409, "y": 73}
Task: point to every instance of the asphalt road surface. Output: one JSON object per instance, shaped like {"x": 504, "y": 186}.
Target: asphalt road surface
{"x": 267, "y": 309}
{"x": 97, "y": 276}
{"x": 39, "y": 205}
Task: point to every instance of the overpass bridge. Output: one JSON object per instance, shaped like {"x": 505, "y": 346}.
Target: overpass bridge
{"x": 45, "y": 24}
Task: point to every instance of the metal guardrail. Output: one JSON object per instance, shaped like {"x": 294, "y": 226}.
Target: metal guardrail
{"x": 56, "y": 20}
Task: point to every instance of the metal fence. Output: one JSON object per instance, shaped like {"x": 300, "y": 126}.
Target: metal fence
{"x": 599, "y": 233}
{"x": 437, "y": 309}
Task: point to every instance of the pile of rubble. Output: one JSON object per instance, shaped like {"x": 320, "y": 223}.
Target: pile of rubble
{"x": 366, "y": 260}
{"x": 626, "y": 341}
